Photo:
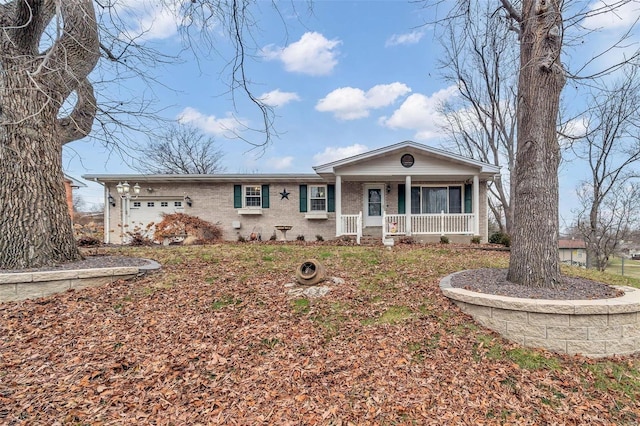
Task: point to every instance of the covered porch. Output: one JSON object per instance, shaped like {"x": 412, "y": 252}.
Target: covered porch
{"x": 409, "y": 189}
{"x": 456, "y": 216}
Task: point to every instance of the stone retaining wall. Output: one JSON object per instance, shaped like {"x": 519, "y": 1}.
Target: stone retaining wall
{"x": 29, "y": 285}
{"x": 593, "y": 328}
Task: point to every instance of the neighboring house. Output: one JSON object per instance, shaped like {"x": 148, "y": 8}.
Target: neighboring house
{"x": 573, "y": 252}
{"x": 69, "y": 185}
{"x": 406, "y": 189}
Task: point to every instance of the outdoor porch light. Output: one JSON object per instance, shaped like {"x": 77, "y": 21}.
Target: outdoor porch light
{"x": 124, "y": 189}
{"x": 188, "y": 201}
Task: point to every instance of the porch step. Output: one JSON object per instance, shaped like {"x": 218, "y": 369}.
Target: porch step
{"x": 372, "y": 231}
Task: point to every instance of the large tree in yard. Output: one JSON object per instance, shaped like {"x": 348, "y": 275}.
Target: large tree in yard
{"x": 541, "y": 30}
{"x": 35, "y": 226}
{"x": 49, "y": 50}
{"x": 534, "y": 251}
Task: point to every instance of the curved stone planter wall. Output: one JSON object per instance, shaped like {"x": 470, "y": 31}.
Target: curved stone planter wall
{"x": 29, "y": 285}
{"x": 593, "y": 328}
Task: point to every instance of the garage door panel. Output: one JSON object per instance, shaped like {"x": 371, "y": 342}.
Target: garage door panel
{"x": 143, "y": 212}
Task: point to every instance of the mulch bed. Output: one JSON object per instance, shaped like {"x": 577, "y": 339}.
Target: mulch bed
{"x": 494, "y": 281}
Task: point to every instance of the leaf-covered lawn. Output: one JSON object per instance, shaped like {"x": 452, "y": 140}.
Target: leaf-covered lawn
{"x": 214, "y": 339}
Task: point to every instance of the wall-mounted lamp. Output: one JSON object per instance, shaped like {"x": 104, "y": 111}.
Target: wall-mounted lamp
{"x": 388, "y": 189}
{"x": 112, "y": 201}
{"x": 188, "y": 201}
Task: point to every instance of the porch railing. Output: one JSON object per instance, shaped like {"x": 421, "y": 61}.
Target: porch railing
{"x": 435, "y": 224}
{"x": 351, "y": 224}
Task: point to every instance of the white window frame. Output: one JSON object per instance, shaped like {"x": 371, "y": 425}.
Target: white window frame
{"x": 247, "y": 209}
{"x": 317, "y": 214}
{"x": 310, "y": 199}
{"x": 448, "y": 187}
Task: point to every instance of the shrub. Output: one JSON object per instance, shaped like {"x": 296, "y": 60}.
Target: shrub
{"x": 140, "y": 235}
{"x": 475, "y": 240}
{"x": 300, "y": 238}
{"x": 407, "y": 240}
{"x": 181, "y": 225}
{"x": 91, "y": 230}
{"x": 319, "y": 238}
{"x": 88, "y": 242}
{"x": 444, "y": 240}
{"x": 273, "y": 236}
{"x": 241, "y": 239}
{"x": 500, "y": 238}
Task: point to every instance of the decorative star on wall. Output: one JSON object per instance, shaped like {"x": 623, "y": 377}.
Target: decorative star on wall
{"x": 284, "y": 194}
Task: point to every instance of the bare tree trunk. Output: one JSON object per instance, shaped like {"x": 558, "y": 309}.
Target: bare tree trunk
{"x": 534, "y": 252}
{"x": 35, "y": 221}
{"x": 35, "y": 224}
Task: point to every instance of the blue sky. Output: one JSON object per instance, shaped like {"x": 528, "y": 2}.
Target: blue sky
{"x": 347, "y": 77}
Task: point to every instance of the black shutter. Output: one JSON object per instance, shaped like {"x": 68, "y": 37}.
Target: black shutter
{"x": 468, "y": 198}
{"x": 331, "y": 198}
{"x": 402, "y": 207}
{"x": 303, "y": 198}
{"x": 265, "y": 196}
{"x": 237, "y": 196}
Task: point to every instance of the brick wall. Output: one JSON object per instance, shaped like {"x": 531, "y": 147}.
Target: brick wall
{"x": 213, "y": 202}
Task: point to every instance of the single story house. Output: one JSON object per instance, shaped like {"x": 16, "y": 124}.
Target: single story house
{"x": 405, "y": 189}
{"x": 573, "y": 252}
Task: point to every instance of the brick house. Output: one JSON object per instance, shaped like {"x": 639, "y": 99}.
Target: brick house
{"x": 69, "y": 185}
{"x": 405, "y": 189}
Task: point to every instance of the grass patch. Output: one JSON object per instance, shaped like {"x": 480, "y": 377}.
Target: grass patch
{"x": 530, "y": 360}
{"x": 393, "y": 315}
{"x": 301, "y": 306}
{"x": 420, "y": 350}
{"x": 526, "y": 359}
{"x": 331, "y": 319}
{"x": 225, "y": 301}
{"x": 611, "y": 276}
{"x": 619, "y": 377}
{"x": 270, "y": 343}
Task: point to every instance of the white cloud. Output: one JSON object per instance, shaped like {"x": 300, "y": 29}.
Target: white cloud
{"x": 276, "y": 98}
{"x": 227, "y": 127}
{"x": 148, "y": 20}
{"x": 313, "y": 54}
{"x": 420, "y": 113}
{"x": 574, "y": 129}
{"x": 331, "y": 154}
{"x": 606, "y": 16}
{"x": 280, "y": 163}
{"x": 349, "y": 103}
{"x": 407, "y": 38}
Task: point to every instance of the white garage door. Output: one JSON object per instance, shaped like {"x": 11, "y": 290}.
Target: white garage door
{"x": 141, "y": 213}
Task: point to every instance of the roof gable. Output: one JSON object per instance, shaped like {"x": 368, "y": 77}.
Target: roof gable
{"x": 428, "y": 160}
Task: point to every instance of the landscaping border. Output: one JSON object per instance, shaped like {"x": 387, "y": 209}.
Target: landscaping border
{"x": 28, "y": 285}
{"x": 593, "y": 328}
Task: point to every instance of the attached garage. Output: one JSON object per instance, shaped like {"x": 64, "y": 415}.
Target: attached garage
{"x": 144, "y": 212}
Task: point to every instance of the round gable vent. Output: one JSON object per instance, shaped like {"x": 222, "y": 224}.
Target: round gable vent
{"x": 407, "y": 160}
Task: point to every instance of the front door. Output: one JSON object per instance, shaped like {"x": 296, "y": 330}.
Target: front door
{"x": 373, "y": 202}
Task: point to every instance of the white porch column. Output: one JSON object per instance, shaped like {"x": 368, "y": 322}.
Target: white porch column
{"x": 107, "y": 217}
{"x": 476, "y": 205}
{"x": 407, "y": 203}
{"x": 338, "y": 206}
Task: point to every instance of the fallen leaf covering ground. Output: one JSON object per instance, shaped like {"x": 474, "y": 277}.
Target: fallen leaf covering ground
{"x": 215, "y": 339}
